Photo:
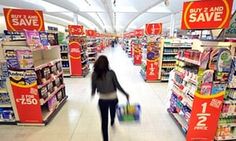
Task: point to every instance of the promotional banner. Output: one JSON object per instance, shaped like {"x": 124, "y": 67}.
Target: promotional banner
{"x": 21, "y": 19}
{"x": 76, "y": 29}
{"x": 139, "y": 32}
{"x": 91, "y": 33}
{"x": 25, "y": 92}
{"x": 204, "y": 117}
{"x": 153, "y": 29}
{"x": 153, "y": 58}
{"x": 206, "y": 14}
{"x": 137, "y": 53}
{"x": 75, "y": 58}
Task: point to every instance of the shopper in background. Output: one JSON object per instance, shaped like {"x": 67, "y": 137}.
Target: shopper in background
{"x": 105, "y": 82}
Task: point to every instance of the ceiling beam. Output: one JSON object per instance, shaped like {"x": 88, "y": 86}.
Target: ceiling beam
{"x": 142, "y": 12}
{"x": 108, "y": 7}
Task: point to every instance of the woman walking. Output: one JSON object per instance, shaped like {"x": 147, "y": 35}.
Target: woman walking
{"x": 105, "y": 82}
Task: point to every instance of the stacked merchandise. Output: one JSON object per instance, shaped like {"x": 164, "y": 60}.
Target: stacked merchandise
{"x": 6, "y": 111}
{"x": 65, "y": 59}
{"x": 36, "y": 77}
{"x": 150, "y": 65}
{"x": 137, "y": 51}
{"x": 200, "y": 81}
{"x": 170, "y": 49}
{"x": 227, "y": 122}
{"x": 84, "y": 58}
{"x": 91, "y": 49}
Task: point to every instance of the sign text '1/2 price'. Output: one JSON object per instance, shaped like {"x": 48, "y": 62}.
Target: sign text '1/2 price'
{"x": 202, "y": 118}
{"x": 27, "y": 100}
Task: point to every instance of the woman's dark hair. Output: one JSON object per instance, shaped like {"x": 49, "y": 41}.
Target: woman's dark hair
{"x": 101, "y": 66}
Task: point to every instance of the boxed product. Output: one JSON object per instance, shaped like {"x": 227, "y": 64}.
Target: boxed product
{"x": 46, "y": 73}
{"x": 59, "y": 66}
{"x": 25, "y": 59}
{"x": 30, "y": 77}
{"x": 43, "y": 92}
{"x": 60, "y": 95}
{"x": 4, "y": 98}
{"x": 39, "y": 77}
{"x": 32, "y": 38}
{"x": 50, "y": 87}
{"x": 22, "y": 77}
{"x": 52, "y": 103}
{"x": 43, "y": 38}
{"x": 53, "y": 69}
{"x": 57, "y": 82}
{"x": 6, "y": 114}
{"x": 53, "y": 39}
{"x": 12, "y": 61}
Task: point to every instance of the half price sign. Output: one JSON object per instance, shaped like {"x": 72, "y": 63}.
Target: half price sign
{"x": 20, "y": 20}
{"x": 207, "y": 14}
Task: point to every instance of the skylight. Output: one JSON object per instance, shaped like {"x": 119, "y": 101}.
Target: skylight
{"x": 160, "y": 8}
{"x": 48, "y": 6}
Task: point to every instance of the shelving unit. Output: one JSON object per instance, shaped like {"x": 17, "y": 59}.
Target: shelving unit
{"x": 65, "y": 60}
{"x": 35, "y": 81}
{"x": 170, "y": 48}
{"x": 199, "y": 81}
{"x": 7, "y": 115}
{"x": 151, "y": 60}
{"x": 91, "y": 49}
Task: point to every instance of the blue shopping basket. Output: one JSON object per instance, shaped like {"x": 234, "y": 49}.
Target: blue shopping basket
{"x": 129, "y": 112}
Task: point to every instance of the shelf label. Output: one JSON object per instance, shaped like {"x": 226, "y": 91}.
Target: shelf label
{"x": 27, "y": 100}
{"x": 204, "y": 117}
{"x": 206, "y": 14}
{"x": 21, "y": 19}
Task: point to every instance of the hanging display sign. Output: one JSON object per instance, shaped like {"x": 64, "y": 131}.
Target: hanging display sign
{"x": 25, "y": 92}
{"x": 75, "y": 58}
{"x": 76, "y": 29}
{"x": 204, "y": 118}
{"x": 21, "y": 19}
{"x": 153, "y": 29}
{"x": 137, "y": 53}
{"x": 139, "y": 32}
{"x": 153, "y": 58}
{"x": 206, "y": 14}
{"x": 90, "y": 33}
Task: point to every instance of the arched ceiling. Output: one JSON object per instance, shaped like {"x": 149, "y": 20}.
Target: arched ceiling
{"x": 104, "y": 15}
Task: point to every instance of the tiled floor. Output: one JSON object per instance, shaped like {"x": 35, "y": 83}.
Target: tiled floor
{"x": 79, "y": 118}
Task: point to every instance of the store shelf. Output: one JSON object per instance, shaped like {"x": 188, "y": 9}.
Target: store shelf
{"x": 91, "y": 53}
{"x": 47, "y": 116}
{"x": 53, "y": 77}
{"x": 3, "y": 91}
{"x": 45, "y": 48}
{"x": 182, "y": 124}
{"x": 168, "y": 67}
{"x": 65, "y": 68}
{"x": 229, "y": 138}
{"x": 42, "y": 101}
{"x": 170, "y": 53}
{"x": 64, "y": 59}
{"x": 228, "y": 114}
{"x": 5, "y": 106}
{"x": 44, "y": 63}
{"x": 168, "y": 60}
{"x": 66, "y": 75}
{"x": 189, "y": 61}
{"x": 64, "y": 52}
{"x": 7, "y": 122}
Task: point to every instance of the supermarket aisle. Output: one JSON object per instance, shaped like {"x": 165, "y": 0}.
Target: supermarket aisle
{"x": 79, "y": 119}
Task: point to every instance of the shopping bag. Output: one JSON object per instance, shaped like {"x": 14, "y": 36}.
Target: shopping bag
{"x": 129, "y": 112}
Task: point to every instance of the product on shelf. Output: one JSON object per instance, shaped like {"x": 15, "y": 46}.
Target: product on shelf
{"x": 53, "y": 38}
{"x": 44, "y": 38}
{"x": 52, "y": 103}
{"x": 43, "y": 92}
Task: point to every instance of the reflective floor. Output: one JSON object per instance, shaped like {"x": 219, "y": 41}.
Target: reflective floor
{"x": 79, "y": 119}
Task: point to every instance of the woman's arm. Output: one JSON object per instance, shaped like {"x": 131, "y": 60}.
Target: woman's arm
{"x": 118, "y": 86}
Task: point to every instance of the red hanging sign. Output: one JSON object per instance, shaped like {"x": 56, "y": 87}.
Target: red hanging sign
{"x": 90, "y": 33}
{"x": 204, "y": 117}
{"x": 153, "y": 57}
{"x": 20, "y": 20}
{"x": 153, "y": 29}
{"x": 206, "y": 14}
{"x": 137, "y": 54}
{"x": 75, "y": 58}
{"x": 76, "y": 29}
{"x": 139, "y": 32}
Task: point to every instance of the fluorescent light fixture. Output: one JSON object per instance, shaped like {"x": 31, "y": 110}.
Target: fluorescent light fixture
{"x": 48, "y": 6}
{"x": 159, "y": 8}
